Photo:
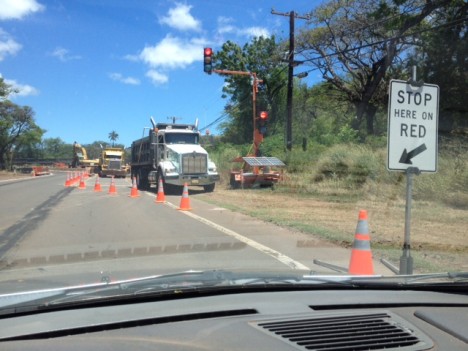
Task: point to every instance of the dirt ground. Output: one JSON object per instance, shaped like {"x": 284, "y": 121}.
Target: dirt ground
{"x": 438, "y": 236}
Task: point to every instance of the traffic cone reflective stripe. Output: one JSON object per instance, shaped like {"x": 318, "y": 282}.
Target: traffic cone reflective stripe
{"x": 134, "y": 191}
{"x": 112, "y": 188}
{"x": 361, "y": 255}
{"x": 185, "y": 201}
{"x": 160, "y": 197}
{"x": 97, "y": 185}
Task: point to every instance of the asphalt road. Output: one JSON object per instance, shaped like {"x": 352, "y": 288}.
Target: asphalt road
{"x": 51, "y": 235}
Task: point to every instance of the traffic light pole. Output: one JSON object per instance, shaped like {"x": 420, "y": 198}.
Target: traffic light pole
{"x": 256, "y": 81}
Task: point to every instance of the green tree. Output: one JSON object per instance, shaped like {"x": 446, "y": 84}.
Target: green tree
{"x": 260, "y": 56}
{"x": 442, "y": 58}
{"x": 56, "y": 148}
{"x": 355, "y": 43}
{"x": 113, "y": 136}
{"x": 17, "y": 129}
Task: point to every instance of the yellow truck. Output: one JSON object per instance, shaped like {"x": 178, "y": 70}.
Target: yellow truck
{"x": 112, "y": 163}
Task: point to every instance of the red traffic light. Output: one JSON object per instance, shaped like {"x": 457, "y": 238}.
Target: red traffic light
{"x": 263, "y": 115}
{"x": 207, "y": 60}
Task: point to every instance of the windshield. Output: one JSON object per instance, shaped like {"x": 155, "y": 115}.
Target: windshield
{"x": 181, "y": 138}
{"x": 333, "y": 145}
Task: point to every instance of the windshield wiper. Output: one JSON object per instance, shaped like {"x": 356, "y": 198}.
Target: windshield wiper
{"x": 167, "y": 284}
{"x": 212, "y": 281}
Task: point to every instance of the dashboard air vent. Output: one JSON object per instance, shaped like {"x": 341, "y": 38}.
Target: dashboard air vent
{"x": 350, "y": 332}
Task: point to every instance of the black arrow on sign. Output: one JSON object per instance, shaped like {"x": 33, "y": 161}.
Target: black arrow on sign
{"x": 407, "y": 156}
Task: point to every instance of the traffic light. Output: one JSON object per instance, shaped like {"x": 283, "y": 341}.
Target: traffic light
{"x": 262, "y": 125}
{"x": 207, "y": 60}
{"x": 264, "y": 116}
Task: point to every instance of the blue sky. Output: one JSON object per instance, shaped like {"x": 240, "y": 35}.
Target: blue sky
{"x": 89, "y": 67}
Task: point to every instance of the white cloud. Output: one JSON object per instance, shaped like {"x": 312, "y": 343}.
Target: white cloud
{"x": 157, "y": 77}
{"x": 172, "y": 53}
{"x": 126, "y": 80}
{"x": 17, "y": 9}
{"x": 255, "y": 32}
{"x": 7, "y": 45}
{"x": 226, "y": 26}
{"x": 21, "y": 89}
{"x": 180, "y": 18}
{"x": 64, "y": 55}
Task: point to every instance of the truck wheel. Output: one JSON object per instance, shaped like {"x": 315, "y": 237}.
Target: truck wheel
{"x": 142, "y": 180}
{"x": 209, "y": 188}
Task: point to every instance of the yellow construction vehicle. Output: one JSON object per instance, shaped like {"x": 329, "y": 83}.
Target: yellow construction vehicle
{"x": 80, "y": 158}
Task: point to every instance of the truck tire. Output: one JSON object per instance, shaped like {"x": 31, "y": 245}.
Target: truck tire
{"x": 142, "y": 180}
{"x": 209, "y": 188}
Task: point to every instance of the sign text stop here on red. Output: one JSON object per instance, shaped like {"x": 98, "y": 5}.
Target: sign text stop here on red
{"x": 408, "y": 99}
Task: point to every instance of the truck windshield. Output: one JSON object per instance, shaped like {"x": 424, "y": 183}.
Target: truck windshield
{"x": 113, "y": 157}
{"x": 181, "y": 138}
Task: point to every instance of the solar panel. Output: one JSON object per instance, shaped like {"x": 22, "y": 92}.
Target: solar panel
{"x": 263, "y": 161}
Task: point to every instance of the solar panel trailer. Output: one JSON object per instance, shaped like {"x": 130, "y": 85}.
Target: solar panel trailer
{"x": 256, "y": 172}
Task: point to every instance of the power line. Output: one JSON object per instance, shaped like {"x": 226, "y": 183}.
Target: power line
{"x": 448, "y": 24}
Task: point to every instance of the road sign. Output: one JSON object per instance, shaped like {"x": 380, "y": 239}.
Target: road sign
{"x": 413, "y": 115}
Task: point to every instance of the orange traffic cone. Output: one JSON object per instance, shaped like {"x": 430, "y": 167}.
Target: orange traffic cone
{"x": 68, "y": 181}
{"x": 82, "y": 183}
{"x": 97, "y": 185}
{"x": 361, "y": 255}
{"x": 112, "y": 188}
{"x": 185, "y": 201}
{"x": 160, "y": 197}
{"x": 134, "y": 191}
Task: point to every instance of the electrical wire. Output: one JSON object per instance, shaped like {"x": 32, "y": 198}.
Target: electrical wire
{"x": 448, "y": 24}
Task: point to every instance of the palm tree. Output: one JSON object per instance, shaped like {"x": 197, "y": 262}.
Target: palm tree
{"x": 113, "y": 136}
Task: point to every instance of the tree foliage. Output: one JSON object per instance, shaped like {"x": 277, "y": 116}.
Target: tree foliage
{"x": 442, "y": 58}
{"x": 113, "y": 136}
{"x": 261, "y": 57}
{"x": 355, "y": 43}
{"x": 18, "y": 128}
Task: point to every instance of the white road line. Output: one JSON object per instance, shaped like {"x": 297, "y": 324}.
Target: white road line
{"x": 288, "y": 261}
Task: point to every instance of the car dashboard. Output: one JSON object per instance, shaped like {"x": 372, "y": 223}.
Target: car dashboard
{"x": 344, "y": 319}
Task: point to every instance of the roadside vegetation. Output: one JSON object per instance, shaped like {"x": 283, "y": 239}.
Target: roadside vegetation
{"x": 323, "y": 189}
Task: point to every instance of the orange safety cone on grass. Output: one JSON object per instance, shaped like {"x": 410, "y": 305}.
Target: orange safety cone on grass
{"x": 185, "y": 201}
{"x": 160, "y": 196}
{"x": 112, "y": 188}
{"x": 361, "y": 255}
{"x": 82, "y": 183}
{"x": 97, "y": 185}
{"x": 134, "y": 191}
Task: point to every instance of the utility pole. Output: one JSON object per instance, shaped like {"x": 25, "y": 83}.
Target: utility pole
{"x": 291, "y": 63}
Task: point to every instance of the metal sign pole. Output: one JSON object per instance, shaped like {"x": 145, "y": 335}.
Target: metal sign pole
{"x": 406, "y": 261}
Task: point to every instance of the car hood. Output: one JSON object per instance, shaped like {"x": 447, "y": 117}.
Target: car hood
{"x": 187, "y": 148}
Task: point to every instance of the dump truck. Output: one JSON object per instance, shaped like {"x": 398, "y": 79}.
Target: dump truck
{"x": 172, "y": 152}
{"x": 112, "y": 163}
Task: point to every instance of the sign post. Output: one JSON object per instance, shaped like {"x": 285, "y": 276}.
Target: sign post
{"x": 412, "y": 145}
